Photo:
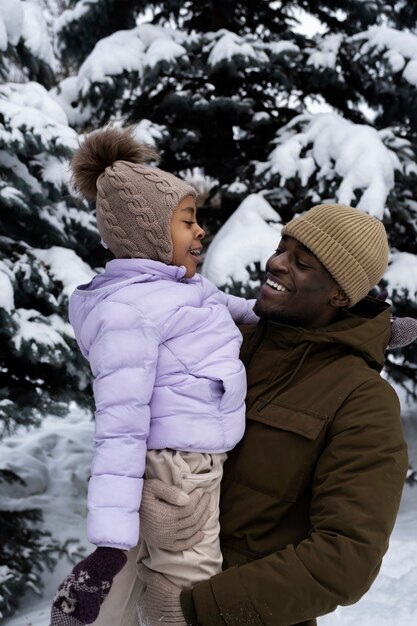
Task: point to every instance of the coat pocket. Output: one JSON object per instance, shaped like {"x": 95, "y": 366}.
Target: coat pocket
{"x": 279, "y": 451}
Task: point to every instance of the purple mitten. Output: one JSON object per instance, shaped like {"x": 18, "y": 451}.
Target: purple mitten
{"x": 78, "y": 599}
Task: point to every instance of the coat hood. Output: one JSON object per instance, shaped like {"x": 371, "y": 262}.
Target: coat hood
{"x": 118, "y": 273}
{"x": 364, "y": 329}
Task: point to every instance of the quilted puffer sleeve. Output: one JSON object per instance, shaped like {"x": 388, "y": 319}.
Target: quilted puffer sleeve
{"x": 240, "y": 309}
{"x": 123, "y": 352}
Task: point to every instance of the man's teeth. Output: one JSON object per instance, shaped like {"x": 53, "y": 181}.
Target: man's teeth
{"x": 195, "y": 252}
{"x": 275, "y": 285}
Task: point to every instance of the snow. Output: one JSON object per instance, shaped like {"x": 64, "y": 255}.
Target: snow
{"x": 55, "y": 462}
{"x": 36, "y": 330}
{"x": 149, "y": 33}
{"x": 130, "y": 51}
{"x": 149, "y": 132}
{"x": 65, "y": 266}
{"x": 121, "y": 51}
{"x": 21, "y": 171}
{"x": 306, "y": 24}
{"x": 197, "y": 178}
{"x": 163, "y": 49}
{"x": 230, "y": 45}
{"x": 402, "y": 273}
{"x": 244, "y": 239}
{"x": 410, "y": 72}
{"x": 278, "y": 47}
{"x": 398, "y": 46}
{"x": 66, "y": 96}
{"x": 72, "y": 15}
{"x": 35, "y": 33}
{"x": 6, "y": 288}
{"x": 53, "y": 171}
{"x": 335, "y": 146}
{"x": 29, "y": 108}
{"x": 11, "y": 20}
{"x": 325, "y": 54}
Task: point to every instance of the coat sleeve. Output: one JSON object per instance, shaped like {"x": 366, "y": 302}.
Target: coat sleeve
{"x": 356, "y": 492}
{"x": 240, "y": 309}
{"x": 123, "y": 352}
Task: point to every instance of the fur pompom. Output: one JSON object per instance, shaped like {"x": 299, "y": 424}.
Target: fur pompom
{"x": 102, "y": 148}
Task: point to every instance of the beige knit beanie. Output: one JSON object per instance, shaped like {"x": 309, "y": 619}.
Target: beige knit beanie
{"x": 134, "y": 201}
{"x": 351, "y": 245}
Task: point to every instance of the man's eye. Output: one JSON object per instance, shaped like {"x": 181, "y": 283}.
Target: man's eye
{"x": 301, "y": 264}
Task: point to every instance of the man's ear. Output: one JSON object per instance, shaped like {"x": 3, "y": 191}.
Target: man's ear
{"x": 339, "y": 299}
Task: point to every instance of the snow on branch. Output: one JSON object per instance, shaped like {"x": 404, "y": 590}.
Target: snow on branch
{"x": 131, "y": 51}
{"x": 65, "y": 266}
{"x": 24, "y": 21}
{"x": 400, "y": 49}
{"x": 401, "y": 274}
{"x": 325, "y": 55}
{"x": 28, "y": 109}
{"x": 333, "y": 147}
{"x": 230, "y": 45}
{"x": 249, "y": 236}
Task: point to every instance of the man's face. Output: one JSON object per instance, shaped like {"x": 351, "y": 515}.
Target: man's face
{"x": 298, "y": 290}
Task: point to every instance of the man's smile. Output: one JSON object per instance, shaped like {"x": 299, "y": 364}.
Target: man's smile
{"x": 276, "y": 284}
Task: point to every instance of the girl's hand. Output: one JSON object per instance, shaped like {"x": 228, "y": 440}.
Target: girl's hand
{"x": 79, "y": 598}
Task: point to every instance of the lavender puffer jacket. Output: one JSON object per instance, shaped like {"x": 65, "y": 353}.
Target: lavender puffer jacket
{"x": 164, "y": 353}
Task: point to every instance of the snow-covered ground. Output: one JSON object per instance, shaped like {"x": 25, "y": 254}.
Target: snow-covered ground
{"x": 57, "y": 458}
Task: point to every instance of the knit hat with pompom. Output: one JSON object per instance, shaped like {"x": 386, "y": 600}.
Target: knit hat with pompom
{"x": 134, "y": 201}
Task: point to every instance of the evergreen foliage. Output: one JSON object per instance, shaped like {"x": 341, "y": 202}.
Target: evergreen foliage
{"x": 41, "y": 369}
{"x": 238, "y": 99}
{"x": 25, "y": 551}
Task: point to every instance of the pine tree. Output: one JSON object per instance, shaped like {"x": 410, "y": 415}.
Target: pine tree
{"x": 239, "y": 100}
{"x": 236, "y": 88}
{"x": 42, "y": 231}
{"x": 242, "y": 99}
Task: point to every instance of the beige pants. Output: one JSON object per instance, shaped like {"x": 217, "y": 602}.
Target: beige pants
{"x": 188, "y": 471}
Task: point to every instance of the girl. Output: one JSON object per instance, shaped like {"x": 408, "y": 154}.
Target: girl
{"x": 168, "y": 385}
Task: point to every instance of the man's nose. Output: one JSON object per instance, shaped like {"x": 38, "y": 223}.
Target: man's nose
{"x": 279, "y": 262}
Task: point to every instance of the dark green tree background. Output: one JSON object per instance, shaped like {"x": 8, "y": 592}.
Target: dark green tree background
{"x": 216, "y": 111}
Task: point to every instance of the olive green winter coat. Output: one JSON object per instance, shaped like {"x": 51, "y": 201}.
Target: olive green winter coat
{"x": 310, "y": 495}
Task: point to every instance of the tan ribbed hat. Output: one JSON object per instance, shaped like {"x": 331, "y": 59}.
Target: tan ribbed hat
{"x": 134, "y": 201}
{"x": 351, "y": 245}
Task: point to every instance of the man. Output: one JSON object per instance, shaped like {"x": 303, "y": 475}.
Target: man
{"x": 311, "y": 493}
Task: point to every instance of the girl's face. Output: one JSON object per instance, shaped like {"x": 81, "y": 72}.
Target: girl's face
{"x": 186, "y": 236}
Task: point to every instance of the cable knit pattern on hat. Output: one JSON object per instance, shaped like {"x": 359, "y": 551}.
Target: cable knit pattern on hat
{"x": 134, "y": 201}
{"x": 351, "y": 245}
{"x": 134, "y": 209}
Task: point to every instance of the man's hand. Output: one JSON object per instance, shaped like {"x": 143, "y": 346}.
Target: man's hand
{"x": 403, "y": 329}
{"x": 403, "y": 332}
{"x": 171, "y": 519}
{"x": 160, "y": 600}
{"x": 78, "y": 600}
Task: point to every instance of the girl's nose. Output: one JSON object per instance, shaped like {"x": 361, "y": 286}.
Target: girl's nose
{"x": 200, "y": 232}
